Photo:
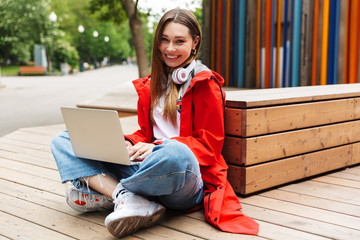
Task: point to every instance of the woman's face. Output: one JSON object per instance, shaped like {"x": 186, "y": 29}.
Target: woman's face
{"x": 176, "y": 44}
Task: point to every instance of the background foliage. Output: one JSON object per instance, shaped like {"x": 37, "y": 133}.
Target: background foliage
{"x": 25, "y": 23}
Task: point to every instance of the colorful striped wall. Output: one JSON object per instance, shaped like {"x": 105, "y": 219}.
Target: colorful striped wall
{"x": 283, "y": 43}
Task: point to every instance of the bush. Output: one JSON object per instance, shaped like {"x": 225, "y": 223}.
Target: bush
{"x": 65, "y": 53}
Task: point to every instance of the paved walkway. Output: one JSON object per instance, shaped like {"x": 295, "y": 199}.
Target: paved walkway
{"x": 30, "y": 101}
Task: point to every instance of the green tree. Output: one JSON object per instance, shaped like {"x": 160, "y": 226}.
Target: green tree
{"x": 117, "y": 11}
{"x": 71, "y": 14}
{"x": 23, "y": 23}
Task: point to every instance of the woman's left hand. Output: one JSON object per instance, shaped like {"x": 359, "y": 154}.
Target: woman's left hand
{"x": 140, "y": 151}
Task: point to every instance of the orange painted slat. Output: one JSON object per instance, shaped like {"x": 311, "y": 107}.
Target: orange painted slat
{"x": 324, "y": 43}
{"x": 354, "y": 41}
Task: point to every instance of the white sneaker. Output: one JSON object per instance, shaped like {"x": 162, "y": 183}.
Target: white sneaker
{"x": 131, "y": 213}
{"x": 87, "y": 202}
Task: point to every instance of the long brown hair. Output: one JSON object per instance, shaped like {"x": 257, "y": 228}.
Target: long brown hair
{"x": 160, "y": 71}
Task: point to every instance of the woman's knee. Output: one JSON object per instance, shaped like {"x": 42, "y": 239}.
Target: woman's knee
{"x": 176, "y": 154}
{"x": 59, "y": 141}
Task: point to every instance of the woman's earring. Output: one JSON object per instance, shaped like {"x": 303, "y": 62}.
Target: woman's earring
{"x": 193, "y": 51}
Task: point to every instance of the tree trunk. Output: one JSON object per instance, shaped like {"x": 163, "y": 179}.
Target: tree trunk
{"x": 136, "y": 31}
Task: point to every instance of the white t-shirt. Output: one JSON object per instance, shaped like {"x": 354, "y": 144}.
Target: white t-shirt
{"x": 163, "y": 128}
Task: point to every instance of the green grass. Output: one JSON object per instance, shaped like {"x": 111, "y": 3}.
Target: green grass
{"x": 13, "y": 71}
{"x": 10, "y": 70}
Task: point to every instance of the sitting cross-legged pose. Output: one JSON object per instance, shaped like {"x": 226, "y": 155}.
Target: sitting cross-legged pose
{"x": 178, "y": 145}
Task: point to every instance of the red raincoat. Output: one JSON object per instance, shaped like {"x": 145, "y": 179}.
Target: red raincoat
{"x": 202, "y": 130}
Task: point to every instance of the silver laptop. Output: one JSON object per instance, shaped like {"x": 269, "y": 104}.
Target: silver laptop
{"x": 96, "y": 134}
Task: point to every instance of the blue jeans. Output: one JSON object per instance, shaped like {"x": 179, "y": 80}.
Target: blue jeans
{"x": 170, "y": 174}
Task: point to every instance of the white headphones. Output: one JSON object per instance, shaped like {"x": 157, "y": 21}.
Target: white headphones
{"x": 180, "y": 75}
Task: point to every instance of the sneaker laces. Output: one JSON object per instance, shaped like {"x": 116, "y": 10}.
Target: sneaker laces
{"x": 126, "y": 198}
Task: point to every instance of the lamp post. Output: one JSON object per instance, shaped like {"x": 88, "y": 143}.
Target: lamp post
{"x": 53, "y": 18}
{"x": 81, "y": 29}
{"x": 95, "y": 34}
{"x": 106, "y": 39}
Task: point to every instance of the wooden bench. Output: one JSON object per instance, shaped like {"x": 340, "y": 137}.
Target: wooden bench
{"x": 125, "y": 103}
{"x": 33, "y": 70}
{"x": 276, "y": 136}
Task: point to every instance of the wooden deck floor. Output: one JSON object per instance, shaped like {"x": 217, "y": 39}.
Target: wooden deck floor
{"x": 33, "y": 204}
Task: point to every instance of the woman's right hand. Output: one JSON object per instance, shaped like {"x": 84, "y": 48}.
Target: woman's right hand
{"x": 128, "y": 144}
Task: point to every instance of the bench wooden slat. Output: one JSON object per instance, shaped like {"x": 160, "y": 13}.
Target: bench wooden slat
{"x": 246, "y": 180}
{"x": 259, "y": 121}
{"x": 281, "y": 96}
{"x": 253, "y": 150}
{"x": 32, "y": 70}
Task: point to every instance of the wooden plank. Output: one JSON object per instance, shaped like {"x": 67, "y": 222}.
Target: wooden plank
{"x": 315, "y": 42}
{"x": 46, "y": 173}
{"x": 352, "y": 169}
{"x": 331, "y": 205}
{"x": 338, "y": 219}
{"x": 28, "y": 159}
{"x": 253, "y": 150}
{"x": 319, "y": 45}
{"x": 17, "y": 228}
{"x": 337, "y": 181}
{"x": 326, "y": 191}
{"x": 268, "y": 230}
{"x": 342, "y": 38}
{"x": 158, "y": 232}
{"x": 346, "y": 175}
{"x": 259, "y": 121}
{"x": 50, "y": 131}
{"x": 278, "y": 96}
{"x": 43, "y": 198}
{"x": 319, "y": 228}
{"x": 251, "y": 179}
{"x": 30, "y": 137}
{"x": 4, "y": 238}
{"x": 324, "y": 42}
{"x": 26, "y": 151}
{"x": 250, "y": 43}
{"x": 35, "y": 181}
{"x": 125, "y": 102}
{"x": 199, "y": 227}
{"x": 57, "y": 201}
{"x": 23, "y": 144}
{"x": 354, "y": 39}
{"x": 295, "y": 60}
{"x": 307, "y": 19}
{"x": 52, "y": 219}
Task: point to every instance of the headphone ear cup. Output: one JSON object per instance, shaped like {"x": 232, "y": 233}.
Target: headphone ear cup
{"x": 180, "y": 75}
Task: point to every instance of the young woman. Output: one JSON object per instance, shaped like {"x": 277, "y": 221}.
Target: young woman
{"x": 181, "y": 118}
